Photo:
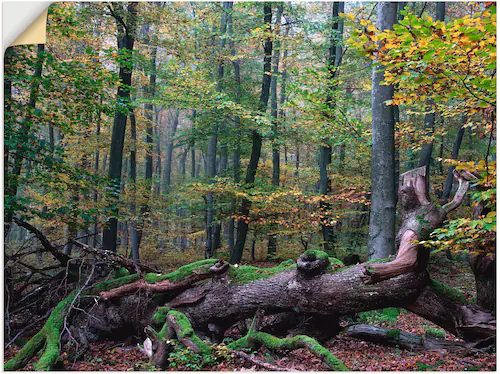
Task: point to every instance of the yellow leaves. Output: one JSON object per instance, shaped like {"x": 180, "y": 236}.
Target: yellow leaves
{"x": 364, "y": 22}
{"x": 348, "y": 16}
{"x": 372, "y": 28}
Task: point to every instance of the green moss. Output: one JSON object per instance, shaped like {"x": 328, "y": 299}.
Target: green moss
{"x": 253, "y": 340}
{"x": 113, "y": 283}
{"x": 26, "y": 353}
{"x": 448, "y": 292}
{"x": 202, "y": 266}
{"x": 320, "y": 255}
{"x": 187, "y": 331}
{"x": 380, "y": 315}
{"x": 394, "y": 334}
{"x": 50, "y": 332}
{"x": 435, "y": 333}
{"x": 336, "y": 262}
{"x": 121, "y": 272}
{"x": 378, "y": 260}
{"x": 160, "y": 315}
{"x": 245, "y": 274}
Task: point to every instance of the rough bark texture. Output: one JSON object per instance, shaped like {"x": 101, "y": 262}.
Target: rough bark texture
{"x": 404, "y": 340}
{"x": 383, "y": 195}
{"x": 242, "y": 229}
{"x": 325, "y": 153}
{"x": 124, "y": 14}
{"x": 211, "y": 296}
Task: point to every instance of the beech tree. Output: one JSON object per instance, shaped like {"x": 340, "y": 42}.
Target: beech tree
{"x": 383, "y": 195}
{"x": 125, "y": 15}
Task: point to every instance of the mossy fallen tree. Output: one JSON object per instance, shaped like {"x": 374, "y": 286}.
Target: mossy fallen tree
{"x": 199, "y": 302}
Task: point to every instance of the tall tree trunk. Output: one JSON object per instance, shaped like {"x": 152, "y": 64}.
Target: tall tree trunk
{"x": 124, "y": 14}
{"x": 430, "y": 118}
{"x": 96, "y": 171}
{"x": 167, "y": 170}
{"x": 138, "y": 227}
{"x": 325, "y": 154}
{"x": 212, "y": 143}
{"x": 383, "y": 195}
{"x": 256, "y": 140}
{"x": 134, "y": 251}
{"x": 12, "y": 182}
{"x": 157, "y": 188}
{"x": 237, "y": 147}
{"x": 271, "y": 239}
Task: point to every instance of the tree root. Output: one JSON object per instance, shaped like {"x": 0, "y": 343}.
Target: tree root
{"x": 255, "y": 339}
{"x": 254, "y": 361}
{"x": 48, "y": 337}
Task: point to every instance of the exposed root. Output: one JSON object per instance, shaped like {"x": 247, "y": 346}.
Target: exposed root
{"x": 47, "y": 338}
{"x": 260, "y": 363}
{"x": 255, "y": 339}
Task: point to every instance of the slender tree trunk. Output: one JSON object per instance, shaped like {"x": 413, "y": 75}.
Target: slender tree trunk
{"x": 383, "y": 197}
{"x": 325, "y": 154}
{"x": 237, "y": 147}
{"x": 96, "y": 171}
{"x": 256, "y": 141}
{"x": 167, "y": 170}
{"x": 430, "y": 118}
{"x": 159, "y": 116}
{"x": 123, "y": 14}
{"x": 138, "y": 227}
{"x": 12, "y": 182}
{"x": 134, "y": 251}
{"x": 271, "y": 239}
{"x": 212, "y": 143}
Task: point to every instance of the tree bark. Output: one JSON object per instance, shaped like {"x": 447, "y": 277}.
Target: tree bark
{"x": 212, "y": 143}
{"x": 325, "y": 153}
{"x": 430, "y": 118}
{"x": 383, "y": 195}
{"x": 12, "y": 182}
{"x": 271, "y": 239}
{"x": 125, "y": 15}
{"x": 237, "y": 147}
{"x": 256, "y": 141}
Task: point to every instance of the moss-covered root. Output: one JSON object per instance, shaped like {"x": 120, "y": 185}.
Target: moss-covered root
{"x": 47, "y": 338}
{"x": 185, "y": 332}
{"x": 300, "y": 341}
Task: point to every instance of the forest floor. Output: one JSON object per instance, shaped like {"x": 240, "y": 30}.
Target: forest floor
{"x": 357, "y": 355}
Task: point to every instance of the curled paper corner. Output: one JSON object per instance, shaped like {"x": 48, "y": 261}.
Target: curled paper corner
{"x": 24, "y": 23}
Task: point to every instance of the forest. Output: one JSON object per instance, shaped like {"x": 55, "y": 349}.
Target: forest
{"x": 255, "y": 186}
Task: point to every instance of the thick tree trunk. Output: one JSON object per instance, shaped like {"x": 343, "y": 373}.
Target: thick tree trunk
{"x": 383, "y": 195}
{"x": 211, "y": 295}
{"x": 256, "y": 141}
{"x": 124, "y": 15}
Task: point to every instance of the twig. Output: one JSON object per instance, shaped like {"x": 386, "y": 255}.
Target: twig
{"x": 257, "y": 362}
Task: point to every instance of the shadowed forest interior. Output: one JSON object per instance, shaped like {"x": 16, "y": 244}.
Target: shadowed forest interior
{"x": 252, "y": 185}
